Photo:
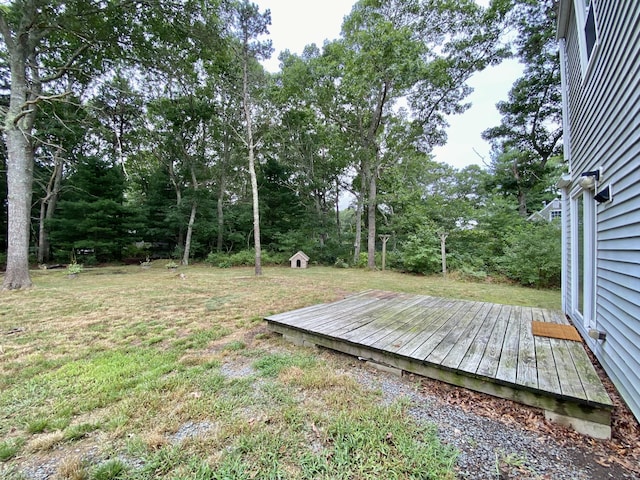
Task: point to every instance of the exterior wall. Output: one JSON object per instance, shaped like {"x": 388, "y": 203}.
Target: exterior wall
{"x": 602, "y": 103}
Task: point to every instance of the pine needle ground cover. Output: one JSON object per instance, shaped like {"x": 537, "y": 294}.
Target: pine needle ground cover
{"x": 131, "y": 373}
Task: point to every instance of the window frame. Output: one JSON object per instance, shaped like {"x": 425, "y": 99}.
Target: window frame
{"x": 587, "y": 19}
{"x": 582, "y": 203}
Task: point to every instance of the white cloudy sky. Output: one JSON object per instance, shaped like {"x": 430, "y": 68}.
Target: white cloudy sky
{"x": 302, "y": 22}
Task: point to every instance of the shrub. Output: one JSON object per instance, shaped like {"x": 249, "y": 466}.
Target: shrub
{"x": 468, "y": 265}
{"x": 421, "y": 252}
{"x": 363, "y": 260}
{"x": 532, "y": 255}
{"x": 271, "y": 258}
{"x": 341, "y": 263}
{"x": 245, "y": 258}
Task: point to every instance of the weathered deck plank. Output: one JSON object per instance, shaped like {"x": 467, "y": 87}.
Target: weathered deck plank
{"x": 548, "y": 373}
{"x": 489, "y": 362}
{"x": 385, "y": 322}
{"x": 384, "y": 335}
{"x": 330, "y": 312}
{"x": 473, "y": 343}
{"x": 591, "y": 384}
{"x": 445, "y": 328}
{"x": 428, "y": 329}
{"x": 415, "y": 319}
{"x": 458, "y": 328}
{"x": 486, "y": 347}
{"x": 508, "y": 364}
{"x": 526, "y": 374}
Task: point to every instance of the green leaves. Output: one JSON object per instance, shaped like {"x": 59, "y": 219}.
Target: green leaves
{"x": 532, "y": 255}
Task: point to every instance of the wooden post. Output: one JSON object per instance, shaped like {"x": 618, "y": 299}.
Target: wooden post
{"x": 385, "y": 239}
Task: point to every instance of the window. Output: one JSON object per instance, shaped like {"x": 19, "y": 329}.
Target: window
{"x": 590, "y": 31}
{"x": 587, "y": 32}
{"x": 556, "y": 214}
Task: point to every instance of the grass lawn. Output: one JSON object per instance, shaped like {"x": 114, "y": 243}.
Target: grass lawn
{"x": 131, "y": 373}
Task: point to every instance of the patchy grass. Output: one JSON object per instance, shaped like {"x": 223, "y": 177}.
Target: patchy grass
{"x": 131, "y": 373}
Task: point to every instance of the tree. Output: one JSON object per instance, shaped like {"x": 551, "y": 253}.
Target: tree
{"x": 118, "y": 110}
{"x": 531, "y": 127}
{"x": 532, "y": 254}
{"x": 50, "y": 47}
{"x": 420, "y": 51}
{"x": 250, "y": 26}
{"x": 61, "y": 135}
{"x": 91, "y": 217}
{"x": 309, "y": 144}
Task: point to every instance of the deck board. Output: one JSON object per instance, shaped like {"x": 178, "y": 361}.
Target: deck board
{"x": 493, "y": 339}
{"x": 471, "y": 346}
{"x": 423, "y": 320}
{"x": 446, "y": 332}
{"x": 508, "y": 363}
{"x": 414, "y": 320}
{"x": 526, "y": 372}
{"x": 482, "y": 346}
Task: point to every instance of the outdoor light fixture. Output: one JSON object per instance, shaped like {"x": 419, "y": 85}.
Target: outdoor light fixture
{"x": 603, "y": 195}
{"x": 589, "y": 179}
{"x": 597, "y": 334}
{"x": 564, "y": 181}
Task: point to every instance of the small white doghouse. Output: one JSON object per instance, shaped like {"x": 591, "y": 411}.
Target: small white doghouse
{"x": 299, "y": 260}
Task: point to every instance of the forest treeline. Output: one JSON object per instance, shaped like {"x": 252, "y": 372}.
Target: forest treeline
{"x": 153, "y": 131}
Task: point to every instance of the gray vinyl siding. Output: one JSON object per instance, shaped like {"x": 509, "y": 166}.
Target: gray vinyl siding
{"x": 604, "y": 109}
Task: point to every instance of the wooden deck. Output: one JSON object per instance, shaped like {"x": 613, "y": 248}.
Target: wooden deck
{"x": 480, "y": 346}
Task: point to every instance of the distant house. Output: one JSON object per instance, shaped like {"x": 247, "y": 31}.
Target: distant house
{"x": 299, "y": 260}
{"x": 549, "y": 212}
{"x": 600, "y": 65}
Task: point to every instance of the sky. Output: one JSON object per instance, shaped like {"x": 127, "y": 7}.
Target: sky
{"x": 295, "y": 24}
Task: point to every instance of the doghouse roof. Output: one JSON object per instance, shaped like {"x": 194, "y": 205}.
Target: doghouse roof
{"x": 300, "y": 254}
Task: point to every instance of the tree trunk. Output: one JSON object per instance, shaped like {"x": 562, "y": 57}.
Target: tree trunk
{"x": 357, "y": 244}
{"x": 187, "y": 240}
{"x": 176, "y": 186}
{"x": 192, "y": 216}
{"x": 522, "y": 203}
{"x": 321, "y": 212}
{"x": 19, "y": 192}
{"x": 339, "y": 233}
{"x": 41, "y": 232}
{"x": 18, "y": 125}
{"x": 371, "y": 222}
{"x": 256, "y": 209}
{"x": 443, "y": 252}
{"x": 220, "y": 205}
{"x": 372, "y": 170}
{"x": 252, "y": 167}
{"x": 47, "y": 208}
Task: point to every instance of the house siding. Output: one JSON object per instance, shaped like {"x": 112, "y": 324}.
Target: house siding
{"x": 603, "y": 108}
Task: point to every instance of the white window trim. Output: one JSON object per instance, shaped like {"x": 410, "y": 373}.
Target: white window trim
{"x": 566, "y": 232}
{"x": 566, "y": 126}
{"x": 587, "y": 316}
{"x": 586, "y": 61}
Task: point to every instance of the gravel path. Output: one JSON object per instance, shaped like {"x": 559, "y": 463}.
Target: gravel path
{"x": 489, "y": 448}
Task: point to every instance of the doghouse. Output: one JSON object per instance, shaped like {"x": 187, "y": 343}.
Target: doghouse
{"x": 299, "y": 260}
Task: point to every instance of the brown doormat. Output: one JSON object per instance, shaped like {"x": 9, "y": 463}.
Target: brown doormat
{"x": 555, "y": 330}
